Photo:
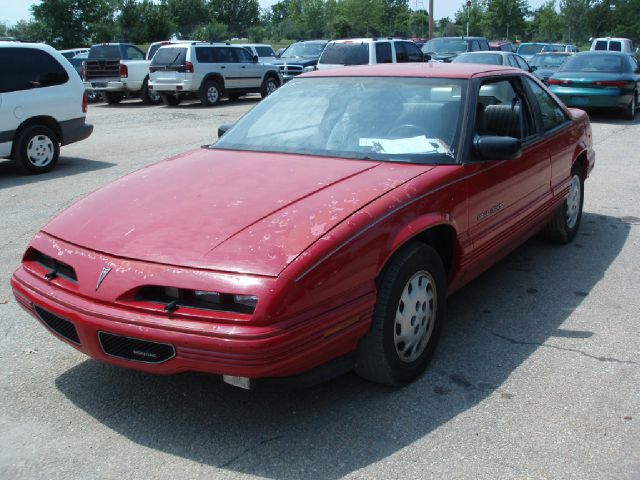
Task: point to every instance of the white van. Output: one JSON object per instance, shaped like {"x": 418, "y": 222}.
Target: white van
{"x": 614, "y": 44}
{"x": 43, "y": 105}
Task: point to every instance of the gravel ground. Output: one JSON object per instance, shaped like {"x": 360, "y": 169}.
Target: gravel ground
{"x": 536, "y": 375}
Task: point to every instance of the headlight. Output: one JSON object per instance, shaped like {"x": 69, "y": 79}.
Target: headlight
{"x": 198, "y": 299}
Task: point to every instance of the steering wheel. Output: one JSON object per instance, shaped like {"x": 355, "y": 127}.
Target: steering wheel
{"x": 407, "y": 130}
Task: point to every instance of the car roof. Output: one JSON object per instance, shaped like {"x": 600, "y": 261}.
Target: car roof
{"x": 428, "y": 70}
{"x": 368, "y": 39}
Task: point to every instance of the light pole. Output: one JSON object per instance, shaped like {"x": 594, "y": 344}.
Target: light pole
{"x": 468, "y": 15}
{"x": 430, "y": 19}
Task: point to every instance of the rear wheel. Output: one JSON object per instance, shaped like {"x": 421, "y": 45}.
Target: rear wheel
{"x": 409, "y": 310}
{"x": 149, "y": 97}
{"x": 564, "y": 225}
{"x": 170, "y": 99}
{"x": 37, "y": 149}
{"x": 210, "y": 94}
{"x": 630, "y": 111}
{"x": 269, "y": 85}
{"x": 113, "y": 98}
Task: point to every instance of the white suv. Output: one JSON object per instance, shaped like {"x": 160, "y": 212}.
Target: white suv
{"x": 43, "y": 105}
{"x": 369, "y": 51}
{"x": 209, "y": 71}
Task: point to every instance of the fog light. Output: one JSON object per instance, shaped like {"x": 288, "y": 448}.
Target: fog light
{"x": 242, "y": 382}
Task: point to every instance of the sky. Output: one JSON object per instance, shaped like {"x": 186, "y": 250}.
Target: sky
{"x": 12, "y": 11}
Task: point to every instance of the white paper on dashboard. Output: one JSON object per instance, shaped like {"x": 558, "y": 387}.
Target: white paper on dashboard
{"x": 419, "y": 144}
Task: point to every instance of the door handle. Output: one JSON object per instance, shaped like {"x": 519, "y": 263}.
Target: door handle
{"x": 244, "y": 66}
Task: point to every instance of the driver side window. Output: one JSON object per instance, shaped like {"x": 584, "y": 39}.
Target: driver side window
{"x": 502, "y": 111}
{"x": 552, "y": 114}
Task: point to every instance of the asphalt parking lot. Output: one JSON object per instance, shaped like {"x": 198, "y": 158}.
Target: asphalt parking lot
{"x": 537, "y": 374}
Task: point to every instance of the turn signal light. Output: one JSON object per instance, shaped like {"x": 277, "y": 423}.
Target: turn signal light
{"x": 188, "y": 67}
{"x": 85, "y": 102}
{"x": 124, "y": 71}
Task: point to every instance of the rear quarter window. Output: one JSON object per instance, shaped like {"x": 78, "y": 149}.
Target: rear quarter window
{"x": 30, "y": 68}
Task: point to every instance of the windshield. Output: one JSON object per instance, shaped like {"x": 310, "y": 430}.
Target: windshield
{"x": 548, "y": 61}
{"x": 445, "y": 45}
{"x": 345, "y": 54}
{"x": 486, "y": 58}
{"x": 382, "y": 118}
{"x": 593, "y": 63}
{"x": 304, "y": 50}
{"x": 530, "y": 49}
{"x": 170, "y": 56}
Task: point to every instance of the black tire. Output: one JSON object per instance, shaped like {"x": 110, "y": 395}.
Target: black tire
{"x": 562, "y": 228}
{"x": 37, "y": 158}
{"x": 93, "y": 96}
{"x": 170, "y": 99}
{"x": 380, "y": 352}
{"x": 269, "y": 85}
{"x": 113, "y": 98}
{"x": 210, "y": 94}
{"x": 149, "y": 97}
{"x": 630, "y": 110}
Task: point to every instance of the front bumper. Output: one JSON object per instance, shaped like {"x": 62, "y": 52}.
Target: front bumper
{"x": 253, "y": 351}
{"x": 593, "y": 97}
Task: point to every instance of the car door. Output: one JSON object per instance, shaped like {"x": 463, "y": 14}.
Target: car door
{"x": 554, "y": 123}
{"x": 250, "y": 71}
{"x": 505, "y": 196}
{"x": 228, "y": 62}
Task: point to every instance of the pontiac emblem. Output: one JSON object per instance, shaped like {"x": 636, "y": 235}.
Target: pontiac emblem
{"x": 103, "y": 274}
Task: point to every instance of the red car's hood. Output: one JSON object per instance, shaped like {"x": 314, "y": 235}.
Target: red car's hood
{"x": 233, "y": 211}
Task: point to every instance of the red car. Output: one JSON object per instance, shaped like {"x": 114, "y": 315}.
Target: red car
{"x": 321, "y": 233}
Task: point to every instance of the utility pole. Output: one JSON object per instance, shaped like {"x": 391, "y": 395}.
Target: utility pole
{"x": 468, "y": 15}
{"x": 430, "y": 19}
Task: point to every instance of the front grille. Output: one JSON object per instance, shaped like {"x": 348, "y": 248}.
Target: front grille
{"x": 59, "y": 325}
{"x": 135, "y": 349}
{"x": 291, "y": 69}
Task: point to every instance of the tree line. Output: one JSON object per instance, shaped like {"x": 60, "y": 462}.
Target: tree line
{"x": 72, "y": 23}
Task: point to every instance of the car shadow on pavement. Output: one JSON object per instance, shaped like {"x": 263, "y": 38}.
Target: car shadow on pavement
{"x": 328, "y": 431}
{"x": 193, "y": 104}
{"x": 11, "y": 175}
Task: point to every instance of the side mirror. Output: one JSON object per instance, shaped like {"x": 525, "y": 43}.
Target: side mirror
{"x": 426, "y": 57}
{"x": 222, "y": 129}
{"x": 489, "y": 147}
{"x": 256, "y": 59}
{"x": 532, "y": 68}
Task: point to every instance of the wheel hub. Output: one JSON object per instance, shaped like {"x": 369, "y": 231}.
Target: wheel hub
{"x": 414, "y": 320}
{"x": 40, "y": 150}
{"x": 573, "y": 202}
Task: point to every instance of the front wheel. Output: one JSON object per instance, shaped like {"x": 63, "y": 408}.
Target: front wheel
{"x": 564, "y": 225}
{"x": 409, "y": 310}
{"x": 269, "y": 85}
{"x": 37, "y": 149}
